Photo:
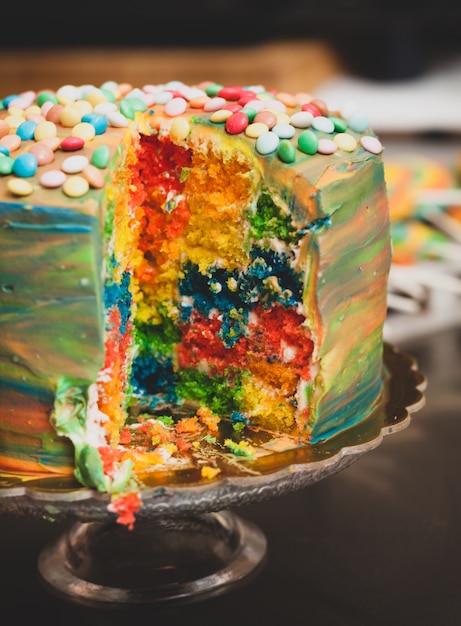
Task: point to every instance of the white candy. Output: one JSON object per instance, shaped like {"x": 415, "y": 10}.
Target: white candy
{"x": 74, "y": 164}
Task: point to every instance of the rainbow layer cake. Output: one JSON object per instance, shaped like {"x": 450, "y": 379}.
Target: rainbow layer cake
{"x": 182, "y": 266}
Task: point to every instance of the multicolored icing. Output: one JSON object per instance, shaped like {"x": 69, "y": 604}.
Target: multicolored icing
{"x": 175, "y": 258}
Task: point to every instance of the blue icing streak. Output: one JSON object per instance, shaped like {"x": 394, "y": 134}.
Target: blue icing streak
{"x": 316, "y": 225}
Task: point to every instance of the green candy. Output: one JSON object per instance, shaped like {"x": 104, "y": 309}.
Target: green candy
{"x": 308, "y": 142}
{"x": 101, "y": 157}
{"x": 137, "y": 104}
{"x": 126, "y": 109}
{"x": 286, "y": 151}
{"x": 46, "y": 96}
{"x": 6, "y": 165}
{"x": 339, "y": 124}
{"x": 212, "y": 90}
{"x": 250, "y": 113}
{"x": 109, "y": 94}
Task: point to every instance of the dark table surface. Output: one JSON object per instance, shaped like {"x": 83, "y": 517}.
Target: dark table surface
{"x": 376, "y": 544}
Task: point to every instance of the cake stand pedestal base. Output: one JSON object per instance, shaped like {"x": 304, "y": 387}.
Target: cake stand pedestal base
{"x": 178, "y": 560}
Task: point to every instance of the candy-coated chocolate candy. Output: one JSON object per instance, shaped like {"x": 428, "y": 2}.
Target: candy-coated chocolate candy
{"x": 220, "y": 116}
{"x": 339, "y": 123}
{"x": 25, "y": 165}
{"x": 137, "y": 103}
{"x": 84, "y": 131}
{"x": 117, "y": 119}
{"x": 6, "y": 165}
{"x": 44, "y": 130}
{"x": 284, "y": 130}
{"x": 76, "y": 186}
{"x": 34, "y": 117}
{"x": 327, "y": 146}
{"x": 176, "y": 106}
{"x": 71, "y": 143}
{"x": 43, "y": 153}
{"x": 311, "y": 108}
{"x": 301, "y": 119}
{"x": 104, "y": 108}
{"x": 52, "y": 142}
{"x": 232, "y": 106}
{"x": 98, "y": 121}
{"x": 94, "y": 176}
{"x": 256, "y": 129}
{"x": 12, "y": 142}
{"x": 249, "y": 112}
{"x": 371, "y": 144}
{"x": 345, "y": 142}
{"x": 266, "y": 117}
{"x": 4, "y": 128}
{"x": 70, "y": 116}
{"x": 358, "y": 122}
{"x": 308, "y": 142}
{"x": 321, "y": 105}
{"x": 54, "y": 114}
{"x": 4, "y": 151}
{"x": 83, "y": 107}
{"x": 74, "y": 164}
{"x": 267, "y": 142}
{"x": 179, "y": 129}
{"x": 323, "y": 124}
{"x": 53, "y": 179}
{"x": 19, "y": 187}
{"x": 26, "y": 130}
{"x": 96, "y": 97}
{"x": 67, "y": 94}
{"x": 198, "y": 102}
{"x": 212, "y": 89}
{"x": 286, "y": 151}
{"x": 46, "y": 96}
{"x": 14, "y": 121}
{"x": 214, "y": 104}
{"x": 163, "y": 97}
{"x": 126, "y": 109}
{"x": 101, "y": 157}
{"x": 287, "y": 98}
{"x": 236, "y": 123}
{"x": 232, "y": 92}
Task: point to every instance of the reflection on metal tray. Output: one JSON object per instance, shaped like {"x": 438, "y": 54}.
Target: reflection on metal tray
{"x": 272, "y": 474}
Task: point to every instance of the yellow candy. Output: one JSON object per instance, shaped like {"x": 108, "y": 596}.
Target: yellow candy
{"x": 14, "y": 121}
{"x": 84, "y": 130}
{"x": 83, "y": 107}
{"x": 179, "y": 129}
{"x": 256, "y": 129}
{"x": 45, "y": 130}
{"x": 70, "y": 116}
{"x": 33, "y": 110}
{"x": 220, "y": 116}
{"x": 96, "y": 97}
{"x": 76, "y": 186}
{"x": 19, "y": 187}
{"x": 345, "y": 142}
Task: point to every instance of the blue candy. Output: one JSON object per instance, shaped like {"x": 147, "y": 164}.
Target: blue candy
{"x": 26, "y": 130}
{"x": 25, "y": 165}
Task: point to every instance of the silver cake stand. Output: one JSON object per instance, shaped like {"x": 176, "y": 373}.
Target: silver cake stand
{"x": 186, "y": 545}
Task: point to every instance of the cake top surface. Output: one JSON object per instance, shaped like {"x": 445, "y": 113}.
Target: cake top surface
{"x": 57, "y": 146}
